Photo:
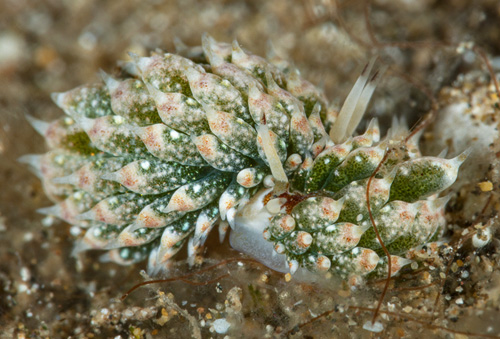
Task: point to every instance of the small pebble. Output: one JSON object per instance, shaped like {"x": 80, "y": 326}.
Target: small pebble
{"x": 373, "y": 327}
{"x": 221, "y": 325}
{"x": 485, "y": 186}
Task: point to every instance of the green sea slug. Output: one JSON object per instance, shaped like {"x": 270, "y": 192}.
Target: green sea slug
{"x": 153, "y": 159}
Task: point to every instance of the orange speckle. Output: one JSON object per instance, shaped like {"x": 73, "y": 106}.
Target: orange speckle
{"x": 229, "y": 204}
{"x": 128, "y": 177}
{"x": 170, "y": 108}
{"x": 148, "y": 220}
{"x": 205, "y": 226}
{"x": 220, "y": 124}
{"x": 169, "y": 242}
{"x": 150, "y": 139}
{"x": 247, "y": 180}
{"x": 301, "y": 124}
{"x": 327, "y": 210}
{"x": 99, "y": 213}
{"x": 366, "y": 260}
{"x": 304, "y": 239}
{"x": 84, "y": 180}
{"x": 205, "y": 146}
{"x": 181, "y": 202}
{"x": 347, "y": 236}
{"x": 127, "y": 239}
{"x": 405, "y": 215}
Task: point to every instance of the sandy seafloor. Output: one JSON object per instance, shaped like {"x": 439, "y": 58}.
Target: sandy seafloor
{"x": 54, "y": 45}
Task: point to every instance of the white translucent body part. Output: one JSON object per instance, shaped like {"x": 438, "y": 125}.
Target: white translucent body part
{"x": 246, "y": 236}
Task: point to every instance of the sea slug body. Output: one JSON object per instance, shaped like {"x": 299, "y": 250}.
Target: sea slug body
{"x": 154, "y": 159}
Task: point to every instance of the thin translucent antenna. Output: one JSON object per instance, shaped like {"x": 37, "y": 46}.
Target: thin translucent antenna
{"x": 363, "y": 101}
{"x": 337, "y": 132}
{"x": 39, "y": 125}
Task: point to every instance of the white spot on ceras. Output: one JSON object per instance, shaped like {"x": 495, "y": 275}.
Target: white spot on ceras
{"x": 145, "y": 165}
{"x": 174, "y": 134}
{"x": 118, "y": 119}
